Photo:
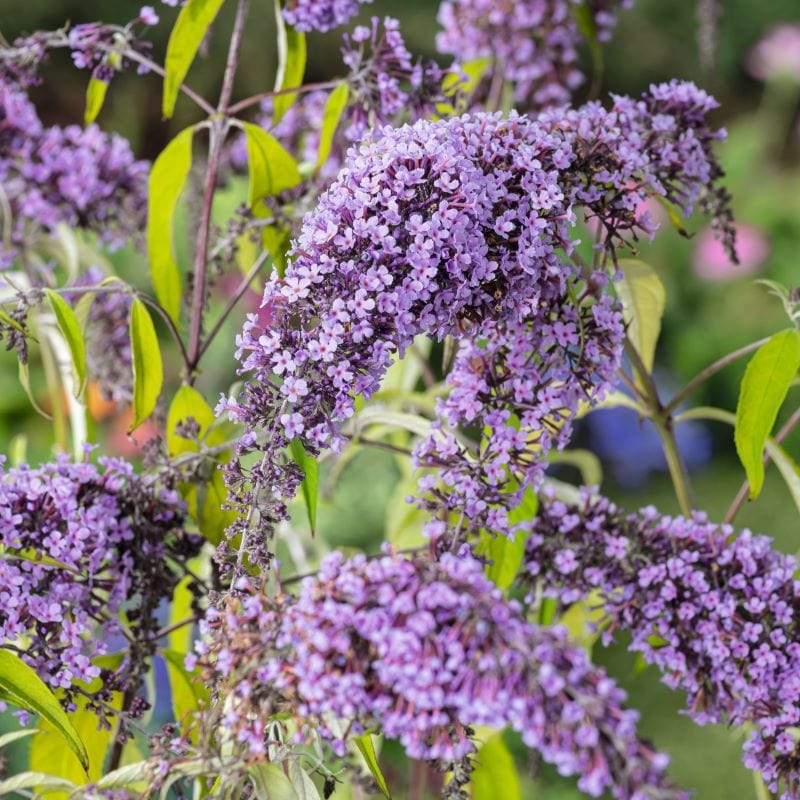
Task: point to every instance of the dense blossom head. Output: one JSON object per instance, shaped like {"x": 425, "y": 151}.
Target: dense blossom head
{"x": 320, "y": 15}
{"x": 78, "y": 176}
{"x": 532, "y": 43}
{"x": 108, "y": 344}
{"x": 78, "y": 541}
{"x": 462, "y": 227}
{"x": 423, "y": 650}
{"x": 717, "y": 614}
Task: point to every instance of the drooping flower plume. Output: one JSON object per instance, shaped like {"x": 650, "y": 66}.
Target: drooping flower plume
{"x": 716, "y": 612}
{"x": 424, "y": 650}
{"x": 320, "y": 15}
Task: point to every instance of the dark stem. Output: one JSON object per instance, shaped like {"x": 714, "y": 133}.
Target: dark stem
{"x": 744, "y": 489}
{"x": 216, "y": 140}
{"x": 120, "y": 739}
{"x": 257, "y": 98}
{"x": 234, "y": 299}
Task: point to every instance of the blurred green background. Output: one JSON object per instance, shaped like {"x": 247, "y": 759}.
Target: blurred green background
{"x": 705, "y": 317}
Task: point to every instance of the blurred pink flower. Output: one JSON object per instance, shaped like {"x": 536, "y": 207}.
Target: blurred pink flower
{"x": 776, "y": 54}
{"x": 711, "y": 262}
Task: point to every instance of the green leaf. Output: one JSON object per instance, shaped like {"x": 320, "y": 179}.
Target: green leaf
{"x": 167, "y": 178}
{"x": 367, "y": 749}
{"x": 186, "y": 688}
{"x": 585, "y": 461}
{"x": 95, "y": 97}
{"x": 291, "y": 64}
{"x": 766, "y": 381}
{"x": 47, "y": 751}
{"x": 310, "y": 485}
{"x": 474, "y": 71}
{"x": 271, "y": 783}
{"x": 643, "y": 300}
{"x": 25, "y": 380}
{"x": 272, "y": 169}
{"x": 184, "y": 41}
{"x": 506, "y": 554}
{"x": 148, "y": 372}
{"x": 276, "y": 240}
{"x": 331, "y": 115}
{"x": 187, "y": 404}
{"x": 7, "y": 319}
{"x": 38, "y": 780}
{"x": 495, "y": 774}
{"x": 29, "y": 691}
{"x": 71, "y": 330}
{"x": 674, "y": 218}
{"x": 14, "y": 736}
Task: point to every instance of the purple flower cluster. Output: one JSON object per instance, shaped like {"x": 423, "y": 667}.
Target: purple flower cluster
{"x": 531, "y": 43}
{"x": 78, "y": 176}
{"x": 384, "y": 80}
{"x": 108, "y": 351}
{"x": 76, "y": 542}
{"x": 320, "y": 15}
{"x": 717, "y": 614}
{"x": 461, "y": 227}
{"x": 424, "y": 650}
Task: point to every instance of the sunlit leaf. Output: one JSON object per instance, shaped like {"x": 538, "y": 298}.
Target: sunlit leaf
{"x": 72, "y": 332}
{"x": 31, "y": 780}
{"x": 276, "y": 240}
{"x": 184, "y": 41}
{"x": 310, "y": 486}
{"x": 272, "y": 169}
{"x": 495, "y": 773}
{"x": 367, "y": 749}
{"x": 95, "y": 97}
{"x": 167, "y": 179}
{"x": 291, "y": 64}
{"x": 331, "y": 115}
{"x": 643, "y": 300}
{"x": 186, "y": 688}
{"x": 47, "y": 751}
{"x": 14, "y": 736}
{"x": 766, "y": 381}
{"x": 29, "y": 691}
{"x": 148, "y": 372}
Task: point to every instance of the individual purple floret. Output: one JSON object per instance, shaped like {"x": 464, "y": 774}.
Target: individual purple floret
{"x": 422, "y": 650}
{"x": 78, "y": 176}
{"x": 716, "y": 613}
{"x": 77, "y": 541}
{"x": 320, "y": 15}
{"x": 531, "y": 43}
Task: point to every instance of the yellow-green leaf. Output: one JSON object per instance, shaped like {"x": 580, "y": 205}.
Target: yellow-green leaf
{"x": 272, "y": 169}
{"x": 291, "y": 64}
{"x": 95, "y": 97}
{"x": 25, "y": 380}
{"x": 505, "y": 555}
{"x": 495, "y": 773}
{"x": 167, "y": 178}
{"x": 71, "y": 330}
{"x": 643, "y": 299}
{"x": 310, "y": 485}
{"x": 766, "y": 381}
{"x": 187, "y": 404}
{"x": 7, "y": 319}
{"x": 186, "y": 688}
{"x": 148, "y": 372}
{"x": 184, "y": 41}
{"x": 334, "y": 108}
{"x": 367, "y": 749}
{"x": 28, "y": 690}
{"x": 47, "y": 751}
{"x": 276, "y": 240}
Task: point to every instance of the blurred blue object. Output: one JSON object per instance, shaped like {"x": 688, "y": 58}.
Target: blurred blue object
{"x": 631, "y": 449}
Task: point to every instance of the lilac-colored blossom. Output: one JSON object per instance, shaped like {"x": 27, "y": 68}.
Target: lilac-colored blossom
{"x": 423, "y": 650}
{"x": 531, "y": 43}
{"x": 77, "y": 541}
{"x": 712, "y": 263}
{"x": 776, "y": 55}
{"x": 82, "y": 177}
{"x": 716, "y": 612}
{"x": 320, "y": 15}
